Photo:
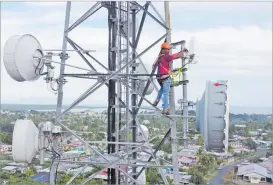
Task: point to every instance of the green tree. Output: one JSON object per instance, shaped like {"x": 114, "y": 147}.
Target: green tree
{"x": 251, "y": 144}
{"x": 247, "y": 131}
{"x": 32, "y": 167}
{"x": 96, "y": 182}
{"x": 200, "y": 151}
{"x": 18, "y": 178}
{"x": 228, "y": 178}
{"x": 78, "y": 180}
{"x": 170, "y": 180}
{"x": 13, "y": 180}
{"x": 219, "y": 161}
{"x": 4, "y": 175}
{"x": 167, "y": 148}
{"x": 152, "y": 176}
{"x": 6, "y": 138}
{"x": 232, "y": 129}
{"x": 230, "y": 149}
{"x": 197, "y": 176}
{"x": 64, "y": 179}
{"x": 29, "y": 172}
{"x": 269, "y": 136}
{"x": 200, "y": 140}
{"x": 205, "y": 160}
{"x": 268, "y": 126}
{"x": 27, "y": 181}
{"x": 156, "y": 141}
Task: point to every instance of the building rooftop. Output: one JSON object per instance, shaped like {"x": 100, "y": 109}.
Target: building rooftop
{"x": 240, "y": 126}
{"x": 9, "y": 168}
{"x": 17, "y": 164}
{"x": 252, "y": 168}
{"x": 66, "y": 166}
{"x": 87, "y": 169}
{"x": 187, "y": 153}
{"x": 41, "y": 177}
{"x": 268, "y": 164}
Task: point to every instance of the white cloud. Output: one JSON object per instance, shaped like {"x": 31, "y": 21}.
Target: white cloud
{"x": 220, "y": 6}
{"x": 241, "y": 55}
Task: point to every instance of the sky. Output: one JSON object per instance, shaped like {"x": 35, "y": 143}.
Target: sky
{"x": 233, "y": 42}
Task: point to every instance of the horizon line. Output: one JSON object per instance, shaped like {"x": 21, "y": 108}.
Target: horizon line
{"x": 106, "y": 105}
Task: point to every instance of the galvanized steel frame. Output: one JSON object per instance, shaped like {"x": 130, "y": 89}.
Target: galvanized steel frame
{"x": 114, "y": 68}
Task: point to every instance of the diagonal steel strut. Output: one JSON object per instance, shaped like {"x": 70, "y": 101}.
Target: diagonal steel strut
{"x": 95, "y": 87}
{"x": 89, "y": 12}
{"x": 75, "y": 44}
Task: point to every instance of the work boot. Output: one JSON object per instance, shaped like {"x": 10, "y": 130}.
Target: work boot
{"x": 156, "y": 103}
{"x": 166, "y": 112}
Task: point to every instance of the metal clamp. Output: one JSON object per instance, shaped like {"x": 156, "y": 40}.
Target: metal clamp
{"x": 133, "y": 6}
{"x": 63, "y": 56}
{"x": 173, "y": 140}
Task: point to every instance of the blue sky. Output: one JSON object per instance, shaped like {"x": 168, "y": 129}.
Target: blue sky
{"x": 209, "y": 18}
{"x": 194, "y": 18}
{"x": 227, "y": 34}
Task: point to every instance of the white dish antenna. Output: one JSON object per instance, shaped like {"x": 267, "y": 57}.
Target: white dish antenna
{"x": 193, "y": 59}
{"x": 191, "y": 46}
{"x": 24, "y": 141}
{"x": 19, "y": 60}
{"x": 143, "y": 80}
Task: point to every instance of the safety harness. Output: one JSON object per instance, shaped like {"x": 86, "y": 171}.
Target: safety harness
{"x": 173, "y": 74}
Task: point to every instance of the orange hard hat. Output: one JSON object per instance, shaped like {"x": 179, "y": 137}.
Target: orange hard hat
{"x": 165, "y": 45}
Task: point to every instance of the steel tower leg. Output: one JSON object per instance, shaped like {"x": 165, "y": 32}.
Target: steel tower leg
{"x": 113, "y": 60}
{"x": 112, "y": 86}
{"x": 185, "y": 108}
{"x": 127, "y": 81}
{"x": 119, "y": 90}
{"x": 63, "y": 59}
{"x": 133, "y": 8}
{"x": 174, "y": 140}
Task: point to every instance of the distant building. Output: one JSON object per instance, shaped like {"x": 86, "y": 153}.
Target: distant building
{"x": 73, "y": 155}
{"x": 187, "y": 158}
{"x": 253, "y": 173}
{"x": 253, "y": 133}
{"x": 10, "y": 169}
{"x": 212, "y": 116}
{"x": 85, "y": 170}
{"x": 240, "y": 130}
{"x": 268, "y": 164}
{"x": 262, "y": 144}
{"x": 241, "y": 149}
{"x": 183, "y": 177}
{"x": 64, "y": 167}
{"x": 42, "y": 177}
{"x": 5, "y": 148}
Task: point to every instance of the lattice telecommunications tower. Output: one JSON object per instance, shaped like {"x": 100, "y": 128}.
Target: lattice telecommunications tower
{"x": 25, "y": 60}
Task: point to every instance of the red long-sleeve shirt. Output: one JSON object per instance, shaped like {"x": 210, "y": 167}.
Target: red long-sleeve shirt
{"x": 163, "y": 64}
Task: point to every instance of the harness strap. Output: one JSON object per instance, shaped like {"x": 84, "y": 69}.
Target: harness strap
{"x": 172, "y": 74}
{"x": 159, "y": 63}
